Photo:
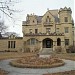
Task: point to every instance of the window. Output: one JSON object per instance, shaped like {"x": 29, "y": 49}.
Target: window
{"x": 14, "y": 44}
{"x": 48, "y": 19}
{"x": 11, "y": 44}
{"x": 36, "y": 30}
{"x": 48, "y": 30}
{"x": 57, "y": 30}
{"x": 66, "y": 41}
{"x": 28, "y": 42}
{"x": 58, "y": 42}
{"x": 8, "y": 44}
{"x": 66, "y": 29}
{"x": 66, "y": 19}
{"x": 30, "y": 30}
{"x": 47, "y": 16}
{"x": 32, "y": 41}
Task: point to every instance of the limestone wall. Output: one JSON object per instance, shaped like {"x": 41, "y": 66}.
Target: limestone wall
{"x": 4, "y": 45}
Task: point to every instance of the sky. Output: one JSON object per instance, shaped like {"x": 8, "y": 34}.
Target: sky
{"x": 38, "y": 7}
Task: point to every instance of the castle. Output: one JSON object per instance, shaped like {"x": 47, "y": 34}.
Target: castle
{"x": 52, "y": 30}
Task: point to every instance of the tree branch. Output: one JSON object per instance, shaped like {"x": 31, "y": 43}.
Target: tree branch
{"x": 6, "y": 13}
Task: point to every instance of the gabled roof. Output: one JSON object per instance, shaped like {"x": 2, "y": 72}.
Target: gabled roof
{"x": 39, "y": 18}
{"x": 55, "y": 14}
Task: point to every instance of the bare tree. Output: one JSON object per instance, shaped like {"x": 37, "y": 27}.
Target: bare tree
{"x": 6, "y": 7}
{"x": 2, "y": 27}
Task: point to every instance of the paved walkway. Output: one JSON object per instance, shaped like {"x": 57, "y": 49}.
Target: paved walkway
{"x": 4, "y": 64}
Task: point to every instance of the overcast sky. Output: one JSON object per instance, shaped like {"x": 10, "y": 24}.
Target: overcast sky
{"x": 38, "y": 7}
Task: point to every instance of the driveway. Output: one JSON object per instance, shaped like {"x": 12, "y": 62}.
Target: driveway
{"x": 4, "y": 64}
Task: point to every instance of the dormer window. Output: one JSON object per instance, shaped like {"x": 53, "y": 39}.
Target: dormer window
{"x": 47, "y": 16}
{"x": 48, "y": 19}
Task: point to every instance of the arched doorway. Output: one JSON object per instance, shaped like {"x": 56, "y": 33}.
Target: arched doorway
{"x": 58, "y": 42}
{"x": 47, "y": 43}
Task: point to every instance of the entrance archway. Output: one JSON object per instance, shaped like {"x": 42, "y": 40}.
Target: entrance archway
{"x": 47, "y": 43}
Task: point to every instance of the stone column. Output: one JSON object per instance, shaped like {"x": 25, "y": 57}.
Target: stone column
{"x": 40, "y": 45}
{"x": 62, "y": 43}
{"x": 54, "y": 45}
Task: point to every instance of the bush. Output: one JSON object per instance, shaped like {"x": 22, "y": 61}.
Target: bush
{"x": 58, "y": 49}
{"x": 36, "y": 49}
{"x": 27, "y": 50}
{"x": 71, "y": 49}
{"x": 36, "y": 62}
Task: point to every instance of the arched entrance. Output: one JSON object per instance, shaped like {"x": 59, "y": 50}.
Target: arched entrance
{"x": 47, "y": 43}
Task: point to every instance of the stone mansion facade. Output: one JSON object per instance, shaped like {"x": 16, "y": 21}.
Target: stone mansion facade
{"x": 52, "y": 30}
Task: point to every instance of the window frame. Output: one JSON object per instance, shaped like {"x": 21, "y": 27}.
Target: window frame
{"x": 11, "y": 44}
{"x": 57, "y": 30}
{"x": 66, "y": 29}
{"x": 32, "y": 41}
{"x": 66, "y": 42}
{"x": 30, "y": 30}
{"x": 48, "y": 19}
{"x": 36, "y": 31}
{"x": 48, "y": 30}
{"x": 66, "y": 19}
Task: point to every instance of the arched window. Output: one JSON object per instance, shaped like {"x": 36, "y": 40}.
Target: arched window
{"x": 48, "y": 19}
{"x": 32, "y": 41}
{"x": 58, "y": 42}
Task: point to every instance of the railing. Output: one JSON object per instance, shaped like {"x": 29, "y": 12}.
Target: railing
{"x": 28, "y": 23}
{"x": 44, "y": 34}
{"x": 48, "y": 23}
{"x": 45, "y": 23}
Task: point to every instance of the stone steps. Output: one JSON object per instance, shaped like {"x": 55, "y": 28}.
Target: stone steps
{"x": 46, "y": 51}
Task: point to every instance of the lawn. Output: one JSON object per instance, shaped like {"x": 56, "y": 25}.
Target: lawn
{"x": 68, "y": 56}
{"x": 8, "y": 55}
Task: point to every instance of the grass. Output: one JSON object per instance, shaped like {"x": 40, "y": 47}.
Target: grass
{"x": 10, "y": 55}
{"x": 67, "y": 56}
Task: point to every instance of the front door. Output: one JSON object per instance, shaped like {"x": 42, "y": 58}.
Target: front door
{"x": 48, "y": 44}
